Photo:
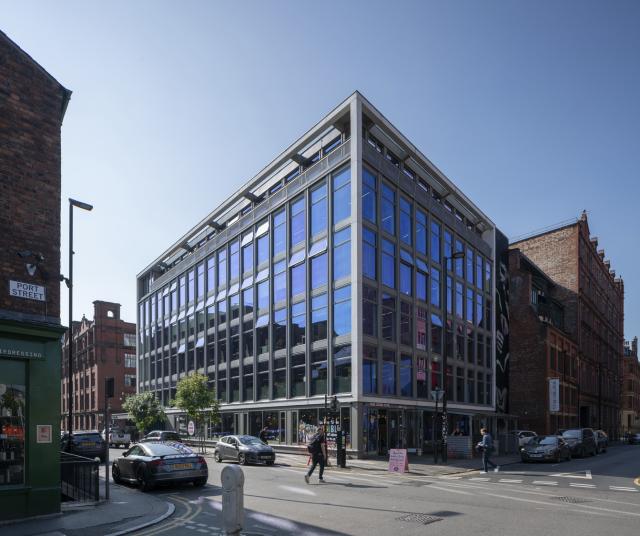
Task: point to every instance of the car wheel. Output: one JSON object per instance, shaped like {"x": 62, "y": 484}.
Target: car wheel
{"x": 218, "y": 457}
{"x": 242, "y": 459}
{"x": 270, "y": 462}
{"x": 115, "y": 473}
{"x": 143, "y": 479}
{"x": 200, "y": 482}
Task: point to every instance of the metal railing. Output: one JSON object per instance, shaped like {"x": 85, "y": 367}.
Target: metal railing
{"x": 79, "y": 478}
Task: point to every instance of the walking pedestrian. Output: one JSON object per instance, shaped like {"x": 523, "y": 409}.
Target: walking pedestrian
{"x": 317, "y": 447}
{"x": 264, "y": 435}
{"x": 486, "y": 447}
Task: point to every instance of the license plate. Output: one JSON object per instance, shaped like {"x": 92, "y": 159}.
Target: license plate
{"x": 182, "y": 466}
{"x": 265, "y": 457}
{"x": 87, "y": 444}
{"x": 536, "y": 455}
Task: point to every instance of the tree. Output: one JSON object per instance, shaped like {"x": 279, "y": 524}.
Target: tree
{"x": 145, "y": 410}
{"x": 194, "y": 397}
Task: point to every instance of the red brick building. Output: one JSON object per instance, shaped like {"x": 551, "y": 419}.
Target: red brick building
{"x": 593, "y": 301}
{"x": 631, "y": 387}
{"x": 32, "y": 107}
{"x": 541, "y": 351}
{"x": 105, "y": 347}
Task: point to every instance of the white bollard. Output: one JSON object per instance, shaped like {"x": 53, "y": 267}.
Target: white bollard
{"x": 232, "y": 499}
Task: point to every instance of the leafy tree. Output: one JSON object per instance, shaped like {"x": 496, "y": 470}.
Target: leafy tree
{"x": 145, "y": 410}
{"x": 194, "y": 397}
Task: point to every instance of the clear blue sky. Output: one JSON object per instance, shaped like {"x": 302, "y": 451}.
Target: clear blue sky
{"x": 531, "y": 108}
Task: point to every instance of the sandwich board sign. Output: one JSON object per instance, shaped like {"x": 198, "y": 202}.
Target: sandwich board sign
{"x": 398, "y": 461}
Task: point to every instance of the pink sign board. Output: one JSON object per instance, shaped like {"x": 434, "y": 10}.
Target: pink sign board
{"x": 398, "y": 461}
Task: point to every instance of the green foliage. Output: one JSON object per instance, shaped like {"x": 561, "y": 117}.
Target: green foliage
{"x": 145, "y": 410}
{"x": 194, "y": 397}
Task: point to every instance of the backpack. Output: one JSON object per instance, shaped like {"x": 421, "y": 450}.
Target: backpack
{"x": 314, "y": 445}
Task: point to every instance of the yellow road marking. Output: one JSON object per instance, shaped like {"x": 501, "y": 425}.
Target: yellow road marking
{"x": 176, "y": 522}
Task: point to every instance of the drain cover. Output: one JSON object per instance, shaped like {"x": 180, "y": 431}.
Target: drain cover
{"x": 423, "y": 519}
{"x": 572, "y": 500}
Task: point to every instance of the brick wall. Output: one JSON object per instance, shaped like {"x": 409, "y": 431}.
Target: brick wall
{"x": 32, "y": 105}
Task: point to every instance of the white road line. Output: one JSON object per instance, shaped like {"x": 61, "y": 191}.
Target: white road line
{"x": 480, "y": 479}
{"x": 510, "y": 480}
{"x": 446, "y": 477}
{"x": 622, "y": 488}
{"x": 544, "y": 483}
{"x": 301, "y": 491}
{"x": 460, "y": 492}
{"x": 576, "y": 485}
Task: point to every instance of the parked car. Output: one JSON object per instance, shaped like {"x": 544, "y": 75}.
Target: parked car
{"x": 84, "y": 443}
{"x": 117, "y": 438}
{"x": 148, "y": 464}
{"x": 545, "y": 448}
{"x": 523, "y": 436}
{"x": 602, "y": 441}
{"x": 581, "y": 441}
{"x": 244, "y": 449}
{"x": 634, "y": 439}
{"x": 161, "y": 435}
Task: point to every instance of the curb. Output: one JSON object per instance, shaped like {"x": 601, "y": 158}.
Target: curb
{"x": 170, "y": 510}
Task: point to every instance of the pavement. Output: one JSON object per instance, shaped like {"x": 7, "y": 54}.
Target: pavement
{"x": 127, "y": 510}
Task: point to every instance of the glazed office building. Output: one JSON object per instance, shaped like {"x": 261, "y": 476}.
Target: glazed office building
{"x": 322, "y": 276}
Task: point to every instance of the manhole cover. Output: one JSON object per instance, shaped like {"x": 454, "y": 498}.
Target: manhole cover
{"x": 572, "y": 500}
{"x": 423, "y": 519}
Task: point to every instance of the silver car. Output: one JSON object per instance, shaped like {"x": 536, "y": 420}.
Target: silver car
{"x": 244, "y": 449}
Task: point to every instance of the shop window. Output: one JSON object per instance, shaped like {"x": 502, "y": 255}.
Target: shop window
{"x": 12, "y": 424}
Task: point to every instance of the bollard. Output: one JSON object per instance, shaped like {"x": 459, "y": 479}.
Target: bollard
{"x": 232, "y": 499}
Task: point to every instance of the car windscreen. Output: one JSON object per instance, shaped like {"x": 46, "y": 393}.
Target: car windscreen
{"x": 544, "y": 440}
{"x": 250, "y": 440}
{"x": 162, "y": 449}
{"x": 87, "y": 437}
{"x": 575, "y": 434}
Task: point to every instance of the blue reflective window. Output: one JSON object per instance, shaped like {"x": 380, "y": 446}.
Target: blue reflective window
{"x": 279, "y": 340}
{"x": 263, "y": 249}
{"x": 449, "y": 295}
{"x": 298, "y": 279}
{"x": 369, "y": 196}
{"x": 435, "y": 241}
{"x": 421, "y": 285}
{"x": 263, "y": 295}
{"x": 247, "y": 258}
{"x": 470, "y": 306}
{"x": 369, "y": 376}
{"x": 470, "y": 266}
{"x": 421, "y": 232}
{"x": 297, "y": 227}
{"x": 369, "y": 253}
{"x": 405, "y": 221}
{"x": 342, "y": 254}
{"x": 222, "y": 268}
{"x": 388, "y": 263}
{"x": 388, "y": 374}
{"x": 342, "y": 369}
{"x": 435, "y": 287}
{"x": 448, "y": 249}
{"x": 279, "y": 233}
{"x": 459, "y": 301}
{"x": 406, "y": 375}
{"x": 479, "y": 265}
{"x": 342, "y": 311}
{"x": 247, "y": 300}
{"x": 298, "y": 323}
{"x": 279, "y": 282}
{"x": 479, "y": 309}
{"x": 319, "y": 271}
{"x": 211, "y": 273}
{"x": 388, "y": 209}
{"x": 234, "y": 261}
{"x": 406, "y": 275}
{"x": 459, "y": 262}
{"x": 319, "y": 318}
{"x": 342, "y": 195}
{"x": 319, "y": 209}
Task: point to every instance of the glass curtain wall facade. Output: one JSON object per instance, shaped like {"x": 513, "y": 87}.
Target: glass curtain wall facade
{"x": 315, "y": 297}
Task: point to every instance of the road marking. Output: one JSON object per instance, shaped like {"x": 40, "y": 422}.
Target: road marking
{"x": 451, "y": 490}
{"x": 576, "y": 485}
{"x": 480, "y": 479}
{"x": 301, "y": 491}
{"x": 544, "y": 483}
{"x": 510, "y": 480}
{"x": 447, "y": 477}
{"x": 622, "y": 488}
{"x": 577, "y": 474}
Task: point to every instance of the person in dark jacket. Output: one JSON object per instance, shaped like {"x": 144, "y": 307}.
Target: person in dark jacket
{"x": 318, "y": 450}
{"x": 263, "y": 435}
{"x": 486, "y": 447}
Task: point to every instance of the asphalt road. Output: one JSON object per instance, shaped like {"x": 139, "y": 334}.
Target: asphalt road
{"x": 590, "y": 496}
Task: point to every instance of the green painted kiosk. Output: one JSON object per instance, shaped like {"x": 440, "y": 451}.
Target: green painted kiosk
{"x": 30, "y": 354}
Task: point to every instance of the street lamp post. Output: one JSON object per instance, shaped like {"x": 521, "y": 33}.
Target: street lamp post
{"x": 436, "y": 393}
{"x": 84, "y": 206}
{"x": 443, "y": 298}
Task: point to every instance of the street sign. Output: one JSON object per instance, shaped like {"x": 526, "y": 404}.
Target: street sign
{"x": 28, "y": 291}
{"x": 191, "y": 428}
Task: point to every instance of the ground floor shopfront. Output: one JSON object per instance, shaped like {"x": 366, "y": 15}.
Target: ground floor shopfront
{"x": 369, "y": 429}
{"x": 29, "y": 419}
